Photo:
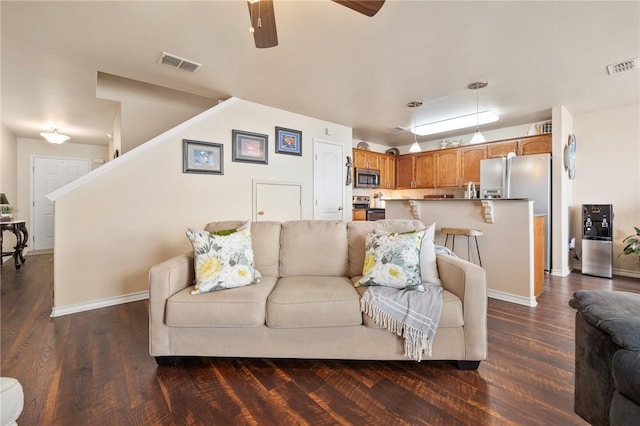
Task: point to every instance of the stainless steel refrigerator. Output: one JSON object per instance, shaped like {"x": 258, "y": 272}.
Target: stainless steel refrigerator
{"x": 525, "y": 176}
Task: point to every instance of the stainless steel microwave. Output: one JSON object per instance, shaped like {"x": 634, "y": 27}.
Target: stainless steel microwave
{"x": 366, "y": 178}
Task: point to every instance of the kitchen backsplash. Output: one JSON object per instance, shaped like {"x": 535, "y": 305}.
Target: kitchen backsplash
{"x": 410, "y": 193}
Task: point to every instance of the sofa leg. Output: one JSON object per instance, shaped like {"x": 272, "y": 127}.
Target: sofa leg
{"x": 167, "y": 361}
{"x": 468, "y": 365}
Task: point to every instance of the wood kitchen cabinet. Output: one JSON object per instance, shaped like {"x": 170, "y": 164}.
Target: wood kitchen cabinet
{"x": 540, "y": 144}
{"x": 405, "y": 167}
{"x": 447, "y": 165}
{"x": 454, "y": 167}
{"x": 425, "y": 172}
{"x": 470, "y": 157}
{"x": 387, "y": 165}
{"x": 359, "y": 214}
{"x": 501, "y": 149}
{"x": 415, "y": 171}
{"x": 538, "y": 255}
{"x": 366, "y": 159}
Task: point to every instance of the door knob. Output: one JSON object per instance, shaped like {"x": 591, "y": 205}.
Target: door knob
{"x": 340, "y": 209}
{"x": 261, "y": 212}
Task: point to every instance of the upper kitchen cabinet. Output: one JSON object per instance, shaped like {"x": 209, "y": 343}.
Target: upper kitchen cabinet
{"x": 540, "y": 144}
{"x": 447, "y": 164}
{"x": 501, "y": 149}
{"x": 470, "y": 157}
{"x": 416, "y": 171}
{"x": 425, "y": 173}
{"x": 387, "y": 171}
{"x": 405, "y": 166}
{"x": 366, "y": 159}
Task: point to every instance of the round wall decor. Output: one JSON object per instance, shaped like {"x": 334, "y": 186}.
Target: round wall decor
{"x": 570, "y": 157}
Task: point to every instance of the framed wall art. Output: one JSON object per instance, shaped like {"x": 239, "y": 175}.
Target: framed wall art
{"x": 288, "y": 141}
{"x": 202, "y": 157}
{"x": 250, "y": 147}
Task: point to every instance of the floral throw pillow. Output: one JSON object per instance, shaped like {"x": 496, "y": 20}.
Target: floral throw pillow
{"x": 222, "y": 261}
{"x": 392, "y": 260}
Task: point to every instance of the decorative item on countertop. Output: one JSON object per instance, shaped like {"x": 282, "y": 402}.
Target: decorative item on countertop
{"x": 349, "y": 166}
{"x": 378, "y": 202}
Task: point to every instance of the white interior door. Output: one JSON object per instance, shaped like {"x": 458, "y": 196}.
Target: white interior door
{"x": 49, "y": 174}
{"x": 277, "y": 201}
{"x": 328, "y": 184}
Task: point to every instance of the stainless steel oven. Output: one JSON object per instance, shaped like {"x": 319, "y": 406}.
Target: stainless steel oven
{"x": 366, "y": 178}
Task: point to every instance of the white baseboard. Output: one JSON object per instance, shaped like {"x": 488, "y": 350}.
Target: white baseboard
{"x": 96, "y": 304}
{"x": 626, "y": 273}
{"x": 508, "y": 297}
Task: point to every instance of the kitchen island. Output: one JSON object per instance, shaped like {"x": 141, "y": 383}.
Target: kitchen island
{"x": 506, "y": 246}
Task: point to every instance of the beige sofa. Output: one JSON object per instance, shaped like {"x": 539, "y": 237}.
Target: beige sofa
{"x": 306, "y": 305}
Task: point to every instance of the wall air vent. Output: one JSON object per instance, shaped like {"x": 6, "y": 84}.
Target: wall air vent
{"x": 631, "y": 64}
{"x": 174, "y": 61}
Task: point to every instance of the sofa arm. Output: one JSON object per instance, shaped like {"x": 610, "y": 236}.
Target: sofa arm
{"x": 166, "y": 279}
{"x": 468, "y": 281}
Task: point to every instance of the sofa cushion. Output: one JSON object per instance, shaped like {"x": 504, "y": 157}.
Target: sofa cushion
{"x": 236, "y": 307}
{"x": 222, "y": 261}
{"x": 313, "y": 301}
{"x": 617, "y": 313}
{"x": 626, "y": 372}
{"x": 357, "y": 232}
{"x": 450, "y": 316}
{"x": 11, "y": 400}
{"x": 313, "y": 247}
{"x": 265, "y": 240}
{"x": 392, "y": 260}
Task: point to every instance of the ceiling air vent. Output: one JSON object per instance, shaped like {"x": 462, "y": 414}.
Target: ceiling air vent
{"x": 174, "y": 61}
{"x": 631, "y": 64}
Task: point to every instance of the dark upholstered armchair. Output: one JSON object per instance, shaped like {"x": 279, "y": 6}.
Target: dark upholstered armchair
{"x": 607, "y": 372}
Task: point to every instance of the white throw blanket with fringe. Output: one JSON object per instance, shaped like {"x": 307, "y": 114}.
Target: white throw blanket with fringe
{"x": 411, "y": 314}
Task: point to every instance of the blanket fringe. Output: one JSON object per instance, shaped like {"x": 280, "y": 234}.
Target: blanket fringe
{"x": 415, "y": 342}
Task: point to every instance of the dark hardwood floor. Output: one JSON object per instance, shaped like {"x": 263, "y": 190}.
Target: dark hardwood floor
{"x": 94, "y": 368}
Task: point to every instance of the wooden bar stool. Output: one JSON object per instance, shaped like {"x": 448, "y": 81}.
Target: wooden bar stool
{"x": 466, "y": 232}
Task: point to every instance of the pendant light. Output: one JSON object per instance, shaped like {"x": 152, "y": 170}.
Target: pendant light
{"x": 415, "y": 147}
{"x": 55, "y": 137}
{"x": 477, "y": 136}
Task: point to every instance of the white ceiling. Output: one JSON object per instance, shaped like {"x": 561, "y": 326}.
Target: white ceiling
{"x": 331, "y": 63}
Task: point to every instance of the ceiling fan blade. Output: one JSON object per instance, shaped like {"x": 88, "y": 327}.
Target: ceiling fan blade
{"x": 366, "y": 7}
{"x": 263, "y": 21}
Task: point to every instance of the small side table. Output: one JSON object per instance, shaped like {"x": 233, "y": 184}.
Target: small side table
{"x": 19, "y": 228}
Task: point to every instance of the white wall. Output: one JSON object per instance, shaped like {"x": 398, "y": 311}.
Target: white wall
{"x": 8, "y": 168}
{"x": 146, "y": 110}
{"x": 27, "y": 148}
{"x": 608, "y": 172}
{"x": 561, "y": 192}
{"x": 142, "y": 203}
{"x": 9, "y": 178}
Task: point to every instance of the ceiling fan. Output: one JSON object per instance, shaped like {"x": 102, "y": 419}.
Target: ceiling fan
{"x": 263, "y": 19}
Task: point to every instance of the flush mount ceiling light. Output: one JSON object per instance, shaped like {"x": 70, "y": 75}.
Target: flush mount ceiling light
{"x": 55, "y": 137}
